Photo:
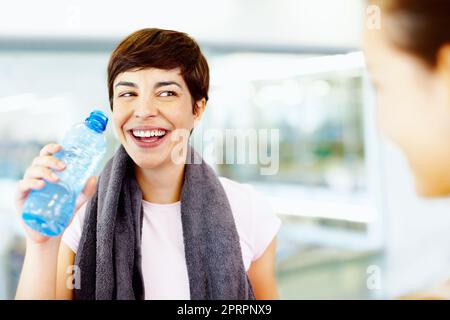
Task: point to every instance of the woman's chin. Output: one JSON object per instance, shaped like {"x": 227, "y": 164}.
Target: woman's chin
{"x": 148, "y": 163}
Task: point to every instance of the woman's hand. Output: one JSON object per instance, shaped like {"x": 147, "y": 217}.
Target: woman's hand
{"x": 35, "y": 178}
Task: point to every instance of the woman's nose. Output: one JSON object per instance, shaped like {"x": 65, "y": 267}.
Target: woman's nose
{"x": 146, "y": 108}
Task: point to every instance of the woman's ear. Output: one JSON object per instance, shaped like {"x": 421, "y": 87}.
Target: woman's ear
{"x": 199, "y": 108}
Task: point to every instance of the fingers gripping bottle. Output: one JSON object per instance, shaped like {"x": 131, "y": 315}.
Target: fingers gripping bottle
{"x": 50, "y": 209}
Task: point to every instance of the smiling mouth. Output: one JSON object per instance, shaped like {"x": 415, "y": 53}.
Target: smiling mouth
{"x": 144, "y": 134}
{"x": 148, "y": 137}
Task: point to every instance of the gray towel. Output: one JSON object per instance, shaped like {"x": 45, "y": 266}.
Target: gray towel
{"x": 109, "y": 252}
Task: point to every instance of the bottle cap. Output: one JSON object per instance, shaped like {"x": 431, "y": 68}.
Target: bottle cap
{"x": 97, "y": 121}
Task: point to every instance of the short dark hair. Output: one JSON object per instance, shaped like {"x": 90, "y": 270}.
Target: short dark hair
{"x": 161, "y": 49}
{"x": 422, "y": 26}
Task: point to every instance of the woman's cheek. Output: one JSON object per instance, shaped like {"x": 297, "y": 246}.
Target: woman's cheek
{"x": 119, "y": 119}
{"x": 178, "y": 117}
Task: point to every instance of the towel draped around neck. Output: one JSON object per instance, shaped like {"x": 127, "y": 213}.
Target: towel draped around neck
{"x": 109, "y": 260}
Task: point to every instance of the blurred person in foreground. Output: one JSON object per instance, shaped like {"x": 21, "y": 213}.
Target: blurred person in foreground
{"x": 408, "y": 59}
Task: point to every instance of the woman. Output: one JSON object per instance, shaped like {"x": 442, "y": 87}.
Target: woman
{"x": 155, "y": 227}
{"x": 409, "y": 62}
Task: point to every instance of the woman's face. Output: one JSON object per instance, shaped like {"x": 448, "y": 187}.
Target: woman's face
{"x": 413, "y": 110}
{"x": 152, "y": 108}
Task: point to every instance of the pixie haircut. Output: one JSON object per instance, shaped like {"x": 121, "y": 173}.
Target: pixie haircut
{"x": 422, "y": 27}
{"x": 161, "y": 49}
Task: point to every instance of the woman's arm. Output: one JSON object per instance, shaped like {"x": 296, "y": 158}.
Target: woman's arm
{"x": 46, "y": 260}
{"x": 262, "y": 274}
{"x": 38, "y": 277}
{"x": 47, "y": 271}
{"x": 67, "y": 277}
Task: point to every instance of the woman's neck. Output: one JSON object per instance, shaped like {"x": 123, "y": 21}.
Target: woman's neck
{"x": 161, "y": 185}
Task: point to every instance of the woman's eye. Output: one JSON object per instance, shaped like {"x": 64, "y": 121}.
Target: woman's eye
{"x": 167, "y": 94}
{"x": 127, "y": 94}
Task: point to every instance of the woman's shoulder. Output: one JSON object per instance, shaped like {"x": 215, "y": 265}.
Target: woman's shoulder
{"x": 243, "y": 196}
{"x": 255, "y": 219}
{"x": 235, "y": 188}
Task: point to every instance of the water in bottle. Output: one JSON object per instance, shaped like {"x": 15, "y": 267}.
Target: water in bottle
{"x": 50, "y": 209}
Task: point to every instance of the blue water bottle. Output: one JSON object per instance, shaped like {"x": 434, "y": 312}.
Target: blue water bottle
{"x": 50, "y": 209}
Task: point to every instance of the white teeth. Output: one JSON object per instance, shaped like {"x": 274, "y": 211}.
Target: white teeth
{"x": 148, "y": 133}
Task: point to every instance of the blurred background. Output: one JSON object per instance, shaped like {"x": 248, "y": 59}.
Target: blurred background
{"x": 352, "y": 226}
